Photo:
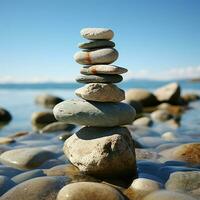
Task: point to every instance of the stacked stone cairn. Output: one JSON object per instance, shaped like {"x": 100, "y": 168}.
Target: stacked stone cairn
{"x": 103, "y": 147}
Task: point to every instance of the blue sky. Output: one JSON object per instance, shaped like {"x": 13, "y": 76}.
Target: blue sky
{"x": 155, "y": 38}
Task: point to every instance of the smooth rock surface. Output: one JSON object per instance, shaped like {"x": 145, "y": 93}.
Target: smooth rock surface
{"x": 89, "y": 191}
{"x": 47, "y": 100}
{"x": 27, "y": 175}
{"x": 187, "y": 182}
{"x": 144, "y": 186}
{"x": 96, "y": 44}
{"x": 5, "y": 184}
{"x": 167, "y": 195}
{"x": 25, "y": 158}
{"x": 168, "y": 93}
{"x": 101, "y": 78}
{"x": 94, "y": 113}
{"x": 97, "y": 33}
{"x": 186, "y": 152}
{"x": 99, "y": 56}
{"x": 109, "y": 152}
{"x": 42, "y": 188}
{"x": 101, "y": 92}
{"x": 145, "y": 97}
{"x": 102, "y": 69}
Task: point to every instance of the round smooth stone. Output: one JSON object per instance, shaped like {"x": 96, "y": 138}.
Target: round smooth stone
{"x": 99, "y": 56}
{"x": 99, "y": 78}
{"x": 94, "y": 113}
{"x": 45, "y": 188}
{"x": 96, "y": 44}
{"x": 97, "y": 33}
{"x": 102, "y": 69}
{"x": 101, "y": 92}
{"x": 25, "y": 158}
{"x": 88, "y": 191}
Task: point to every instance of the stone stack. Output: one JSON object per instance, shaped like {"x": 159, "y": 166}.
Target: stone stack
{"x": 103, "y": 147}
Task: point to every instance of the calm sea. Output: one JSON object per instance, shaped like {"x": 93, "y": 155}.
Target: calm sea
{"x": 19, "y": 100}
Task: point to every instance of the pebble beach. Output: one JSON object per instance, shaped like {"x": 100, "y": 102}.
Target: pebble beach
{"x": 103, "y": 138}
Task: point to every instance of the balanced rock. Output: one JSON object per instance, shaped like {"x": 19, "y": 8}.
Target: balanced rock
{"x": 168, "y": 93}
{"x": 101, "y": 92}
{"x": 99, "y": 56}
{"x": 88, "y": 191}
{"x": 102, "y": 69}
{"x": 99, "y": 78}
{"x": 96, "y": 44}
{"x": 145, "y": 97}
{"x": 94, "y": 113}
{"x": 110, "y": 151}
{"x": 97, "y": 33}
{"x": 186, "y": 152}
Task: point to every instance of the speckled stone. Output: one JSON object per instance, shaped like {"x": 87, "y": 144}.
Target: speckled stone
{"x": 99, "y": 56}
{"x": 99, "y": 78}
{"x": 97, "y": 33}
{"x": 96, "y": 44}
{"x": 101, "y": 92}
{"x": 110, "y": 151}
{"x": 94, "y": 113}
{"x": 102, "y": 69}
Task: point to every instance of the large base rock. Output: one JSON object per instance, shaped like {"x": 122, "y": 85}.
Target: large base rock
{"x": 104, "y": 152}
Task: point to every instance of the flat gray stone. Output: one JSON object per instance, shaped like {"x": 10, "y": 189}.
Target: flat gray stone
{"x": 89, "y": 191}
{"x": 99, "y": 78}
{"x": 94, "y": 113}
{"x": 25, "y": 158}
{"x": 101, "y": 92}
{"x": 102, "y": 69}
{"x": 99, "y": 56}
{"x": 45, "y": 188}
{"x": 96, "y": 44}
{"x": 97, "y": 33}
{"x": 110, "y": 151}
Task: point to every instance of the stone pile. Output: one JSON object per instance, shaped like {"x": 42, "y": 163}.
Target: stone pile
{"x": 103, "y": 147}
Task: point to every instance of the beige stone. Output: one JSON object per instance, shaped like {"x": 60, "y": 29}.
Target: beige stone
{"x": 101, "y": 92}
